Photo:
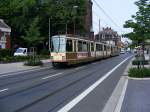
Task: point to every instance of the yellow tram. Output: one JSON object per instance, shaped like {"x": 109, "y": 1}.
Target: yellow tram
{"x": 70, "y": 49}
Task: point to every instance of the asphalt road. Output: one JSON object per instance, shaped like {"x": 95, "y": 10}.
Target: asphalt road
{"x": 49, "y": 89}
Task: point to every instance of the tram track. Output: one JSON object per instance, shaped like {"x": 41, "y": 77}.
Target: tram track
{"x": 24, "y": 76}
{"x": 87, "y": 76}
{"x": 58, "y": 90}
{"x": 22, "y": 73}
{"x": 26, "y": 79}
{"x": 5, "y": 81}
{"x": 42, "y": 82}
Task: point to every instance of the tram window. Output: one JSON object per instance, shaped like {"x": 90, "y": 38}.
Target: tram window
{"x": 97, "y": 47}
{"x": 92, "y": 47}
{"x": 79, "y": 45}
{"x": 84, "y": 46}
{"x": 101, "y": 47}
{"x": 75, "y": 45}
{"x": 108, "y": 47}
{"x": 104, "y": 47}
{"x": 69, "y": 46}
{"x": 58, "y": 44}
{"x": 88, "y": 47}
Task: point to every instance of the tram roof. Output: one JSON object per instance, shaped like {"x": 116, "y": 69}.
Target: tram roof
{"x": 78, "y": 38}
{"x": 73, "y": 36}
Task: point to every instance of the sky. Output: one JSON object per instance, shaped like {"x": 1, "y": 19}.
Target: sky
{"x": 118, "y": 10}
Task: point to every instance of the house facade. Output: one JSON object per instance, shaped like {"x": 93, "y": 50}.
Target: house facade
{"x": 5, "y": 31}
{"x": 109, "y": 36}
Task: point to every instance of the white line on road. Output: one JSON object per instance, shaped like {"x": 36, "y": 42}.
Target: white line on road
{"x": 4, "y": 90}
{"x": 95, "y": 63}
{"x": 119, "y": 105}
{"x": 76, "y": 100}
{"x": 52, "y": 76}
{"x": 19, "y": 72}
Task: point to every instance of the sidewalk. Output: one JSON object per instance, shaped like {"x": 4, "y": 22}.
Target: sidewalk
{"x": 130, "y": 95}
{"x": 137, "y": 97}
{"x": 18, "y": 66}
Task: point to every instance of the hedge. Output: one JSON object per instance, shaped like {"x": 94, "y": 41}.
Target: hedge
{"x": 6, "y": 52}
{"x": 35, "y": 62}
{"x": 139, "y": 73}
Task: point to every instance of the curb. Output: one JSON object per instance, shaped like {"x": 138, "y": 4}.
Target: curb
{"x": 132, "y": 78}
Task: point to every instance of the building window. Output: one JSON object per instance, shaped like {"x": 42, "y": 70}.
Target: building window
{"x": 3, "y": 38}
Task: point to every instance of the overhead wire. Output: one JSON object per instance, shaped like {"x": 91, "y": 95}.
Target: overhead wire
{"x": 107, "y": 15}
{"x": 100, "y": 18}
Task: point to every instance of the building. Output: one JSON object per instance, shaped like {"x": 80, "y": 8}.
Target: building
{"x": 4, "y": 35}
{"x": 109, "y": 36}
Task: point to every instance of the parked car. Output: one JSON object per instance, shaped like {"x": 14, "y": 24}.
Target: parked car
{"x": 21, "y": 52}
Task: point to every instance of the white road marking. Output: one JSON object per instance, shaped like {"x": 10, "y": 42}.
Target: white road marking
{"x": 76, "y": 100}
{"x": 4, "y": 90}
{"x": 16, "y": 73}
{"x": 119, "y": 105}
{"x": 80, "y": 67}
{"x": 95, "y": 63}
{"x": 52, "y": 76}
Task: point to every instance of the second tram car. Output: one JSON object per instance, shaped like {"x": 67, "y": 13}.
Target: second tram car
{"x": 69, "y": 49}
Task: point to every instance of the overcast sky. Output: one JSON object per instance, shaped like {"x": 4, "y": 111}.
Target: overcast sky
{"x": 118, "y": 10}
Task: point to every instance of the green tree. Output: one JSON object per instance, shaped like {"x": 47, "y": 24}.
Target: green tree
{"x": 140, "y": 25}
{"x": 33, "y": 36}
{"x": 140, "y": 22}
{"x": 20, "y": 14}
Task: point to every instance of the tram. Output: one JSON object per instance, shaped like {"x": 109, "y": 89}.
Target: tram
{"x": 70, "y": 49}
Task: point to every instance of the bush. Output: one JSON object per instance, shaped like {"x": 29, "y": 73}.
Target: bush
{"x": 8, "y": 59}
{"x": 35, "y": 62}
{"x": 138, "y": 62}
{"x": 139, "y": 73}
{"x": 6, "y": 52}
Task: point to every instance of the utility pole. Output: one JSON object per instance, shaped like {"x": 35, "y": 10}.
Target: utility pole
{"x": 74, "y": 26}
{"x": 99, "y": 28}
{"x": 49, "y": 36}
{"x": 66, "y": 29}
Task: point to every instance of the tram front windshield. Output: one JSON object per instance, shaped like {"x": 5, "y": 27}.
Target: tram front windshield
{"x": 58, "y": 44}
